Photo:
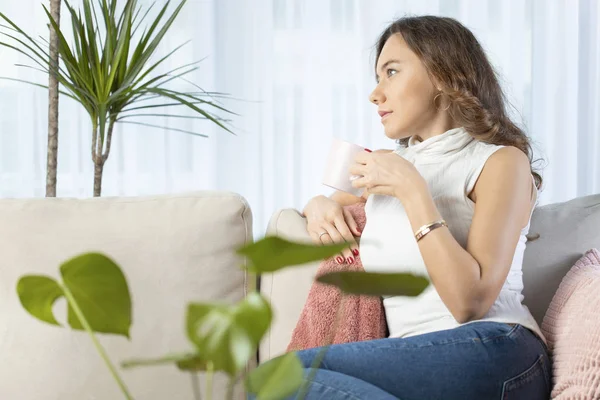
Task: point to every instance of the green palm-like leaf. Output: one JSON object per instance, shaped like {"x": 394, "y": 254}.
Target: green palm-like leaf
{"x": 162, "y": 127}
{"x": 110, "y": 73}
{"x": 41, "y": 86}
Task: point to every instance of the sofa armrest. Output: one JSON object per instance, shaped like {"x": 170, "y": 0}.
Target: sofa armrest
{"x": 287, "y": 289}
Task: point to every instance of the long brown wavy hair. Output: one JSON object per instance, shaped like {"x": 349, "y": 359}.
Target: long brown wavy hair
{"x": 456, "y": 61}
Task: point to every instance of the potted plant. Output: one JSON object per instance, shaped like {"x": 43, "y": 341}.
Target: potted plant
{"x": 110, "y": 73}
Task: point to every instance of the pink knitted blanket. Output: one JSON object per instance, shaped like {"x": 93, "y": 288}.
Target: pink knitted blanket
{"x": 361, "y": 318}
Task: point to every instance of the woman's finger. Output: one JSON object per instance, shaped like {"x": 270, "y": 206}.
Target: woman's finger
{"x": 351, "y": 222}
{"x": 357, "y": 169}
{"x": 360, "y": 182}
{"x": 315, "y": 238}
{"x": 350, "y": 252}
{"x": 343, "y": 229}
{"x": 363, "y": 157}
{"x": 333, "y": 236}
{"x": 385, "y": 190}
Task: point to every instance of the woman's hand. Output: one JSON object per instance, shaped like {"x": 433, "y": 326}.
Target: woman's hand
{"x": 328, "y": 223}
{"x": 386, "y": 173}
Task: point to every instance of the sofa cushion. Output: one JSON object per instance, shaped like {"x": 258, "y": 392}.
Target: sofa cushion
{"x": 566, "y": 231}
{"x": 572, "y": 328}
{"x": 172, "y": 249}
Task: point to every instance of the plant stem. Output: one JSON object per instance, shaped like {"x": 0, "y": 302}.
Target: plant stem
{"x": 196, "y": 386}
{"x": 52, "y": 153}
{"x": 230, "y": 386}
{"x": 209, "y": 379}
{"x": 98, "y": 167}
{"x": 321, "y": 354}
{"x": 97, "y": 344}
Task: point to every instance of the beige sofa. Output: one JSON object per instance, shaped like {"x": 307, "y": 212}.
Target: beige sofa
{"x": 177, "y": 249}
{"x": 173, "y": 250}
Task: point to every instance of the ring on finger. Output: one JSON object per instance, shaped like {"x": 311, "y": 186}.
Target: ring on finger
{"x": 323, "y": 233}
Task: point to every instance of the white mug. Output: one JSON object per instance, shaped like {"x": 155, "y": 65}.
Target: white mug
{"x": 337, "y": 174}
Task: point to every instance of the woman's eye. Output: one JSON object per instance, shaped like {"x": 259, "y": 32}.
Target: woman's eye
{"x": 391, "y": 72}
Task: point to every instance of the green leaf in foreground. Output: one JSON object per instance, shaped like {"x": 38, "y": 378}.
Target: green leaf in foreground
{"x": 97, "y": 285}
{"x": 37, "y": 295}
{"x": 273, "y": 253}
{"x": 228, "y": 335}
{"x": 185, "y": 362}
{"x": 277, "y": 378}
{"x": 100, "y": 289}
{"x": 376, "y": 284}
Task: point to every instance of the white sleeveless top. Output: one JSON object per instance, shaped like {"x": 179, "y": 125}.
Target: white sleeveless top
{"x": 450, "y": 163}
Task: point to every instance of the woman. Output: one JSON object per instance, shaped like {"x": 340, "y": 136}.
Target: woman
{"x": 453, "y": 202}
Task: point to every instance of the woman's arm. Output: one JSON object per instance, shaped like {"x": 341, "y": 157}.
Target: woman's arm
{"x": 469, "y": 281}
{"x": 346, "y": 199}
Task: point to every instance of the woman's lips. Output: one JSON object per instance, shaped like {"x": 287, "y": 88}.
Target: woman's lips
{"x": 384, "y": 114}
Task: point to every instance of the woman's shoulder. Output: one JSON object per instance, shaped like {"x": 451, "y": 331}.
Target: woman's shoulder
{"x": 493, "y": 161}
{"x": 509, "y": 157}
{"x": 506, "y": 164}
{"x": 499, "y": 153}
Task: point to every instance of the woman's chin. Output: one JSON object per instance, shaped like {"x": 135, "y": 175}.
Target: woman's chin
{"x": 395, "y": 134}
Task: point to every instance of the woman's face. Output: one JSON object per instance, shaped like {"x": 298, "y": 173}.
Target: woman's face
{"x": 404, "y": 90}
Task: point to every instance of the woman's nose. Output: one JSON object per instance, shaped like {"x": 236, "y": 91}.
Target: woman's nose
{"x": 376, "y": 97}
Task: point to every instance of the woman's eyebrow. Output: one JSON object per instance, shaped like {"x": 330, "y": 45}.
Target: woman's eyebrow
{"x": 388, "y": 62}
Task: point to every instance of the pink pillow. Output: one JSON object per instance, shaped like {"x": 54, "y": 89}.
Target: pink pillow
{"x": 572, "y": 328}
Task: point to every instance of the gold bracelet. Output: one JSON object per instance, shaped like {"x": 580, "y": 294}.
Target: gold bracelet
{"x": 425, "y": 229}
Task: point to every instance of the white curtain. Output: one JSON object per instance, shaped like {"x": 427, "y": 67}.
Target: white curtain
{"x": 301, "y": 72}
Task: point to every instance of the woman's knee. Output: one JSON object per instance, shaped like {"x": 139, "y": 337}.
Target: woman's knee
{"x": 331, "y": 385}
{"x": 307, "y": 357}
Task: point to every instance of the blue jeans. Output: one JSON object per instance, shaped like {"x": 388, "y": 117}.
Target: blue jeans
{"x": 481, "y": 360}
